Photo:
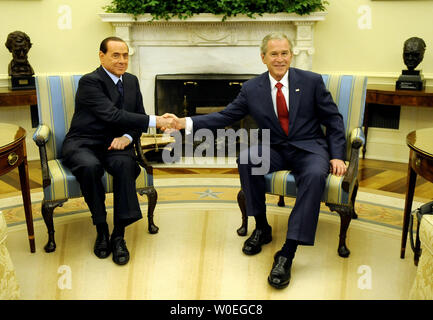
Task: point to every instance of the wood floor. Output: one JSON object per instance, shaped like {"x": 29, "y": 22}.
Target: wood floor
{"x": 382, "y": 176}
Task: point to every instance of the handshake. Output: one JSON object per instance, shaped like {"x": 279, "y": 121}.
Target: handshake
{"x": 170, "y": 122}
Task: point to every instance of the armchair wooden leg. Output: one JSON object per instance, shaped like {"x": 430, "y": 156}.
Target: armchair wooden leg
{"x": 242, "y": 231}
{"x": 152, "y": 198}
{"x": 355, "y": 191}
{"x": 47, "y": 214}
{"x": 345, "y": 217}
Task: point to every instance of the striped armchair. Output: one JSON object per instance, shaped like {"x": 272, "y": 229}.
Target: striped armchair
{"x": 56, "y": 104}
{"x": 348, "y": 93}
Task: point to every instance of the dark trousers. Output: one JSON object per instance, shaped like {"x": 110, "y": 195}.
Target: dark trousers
{"x": 88, "y": 166}
{"x": 310, "y": 171}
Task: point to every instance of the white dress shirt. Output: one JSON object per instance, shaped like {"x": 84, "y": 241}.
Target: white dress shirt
{"x": 285, "y": 89}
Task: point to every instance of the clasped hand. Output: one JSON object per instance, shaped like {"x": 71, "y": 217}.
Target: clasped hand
{"x": 170, "y": 122}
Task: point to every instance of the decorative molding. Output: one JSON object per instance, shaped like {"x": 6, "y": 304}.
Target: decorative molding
{"x": 213, "y": 36}
{"x": 4, "y": 81}
{"x": 208, "y": 17}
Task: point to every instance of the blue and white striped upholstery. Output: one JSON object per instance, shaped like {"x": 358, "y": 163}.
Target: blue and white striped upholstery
{"x": 348, "y": 92}
{"x": 56, "y": 104}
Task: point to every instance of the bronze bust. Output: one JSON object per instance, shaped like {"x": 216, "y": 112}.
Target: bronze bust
{"x": 18, "y": 43}
{"x": 413, "y": 52}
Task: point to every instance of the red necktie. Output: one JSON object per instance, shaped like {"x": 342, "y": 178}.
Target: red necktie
{"x": 283, "y": 113}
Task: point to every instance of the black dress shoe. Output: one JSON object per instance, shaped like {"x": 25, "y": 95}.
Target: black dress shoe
{"x": 102, "y": 246}
{"x": 120, "y": 251}
{"x": 280, "y": 274}
{"x": 253, "y": 244}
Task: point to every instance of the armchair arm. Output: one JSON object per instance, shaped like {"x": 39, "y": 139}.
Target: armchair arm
{"x": 41, "y": 134}
{"x": 356, "y": 141}
{"x": 40, "y": 137}
{"x": 140, "y": 157}
{"x": 357, "y": 138}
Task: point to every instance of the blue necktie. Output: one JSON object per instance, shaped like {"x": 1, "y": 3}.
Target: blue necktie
{"x": 119, "y": 86}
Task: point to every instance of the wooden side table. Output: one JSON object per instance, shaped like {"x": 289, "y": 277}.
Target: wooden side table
{"x": 13, "y": 154}
{"x": 388, "y": 95}
{"x": 420, "y": 143}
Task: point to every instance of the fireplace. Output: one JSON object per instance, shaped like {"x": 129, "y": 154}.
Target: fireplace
{"x": 193, "y": 94}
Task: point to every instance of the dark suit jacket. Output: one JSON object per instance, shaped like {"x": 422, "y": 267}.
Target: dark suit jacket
{"x": 310, "y": 106}
{"x": 98, "y": 116}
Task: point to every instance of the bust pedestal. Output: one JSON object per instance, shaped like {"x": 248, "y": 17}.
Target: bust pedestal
{"x": 22, "y": 83}
{"x": 410, "y": 80}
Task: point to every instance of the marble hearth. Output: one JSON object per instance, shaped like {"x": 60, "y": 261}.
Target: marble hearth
{"x": 204, "y": 44}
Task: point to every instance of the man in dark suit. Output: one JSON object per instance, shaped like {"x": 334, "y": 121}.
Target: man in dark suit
{"x": 108, "y": 116}
{"x": 292, "y": 104}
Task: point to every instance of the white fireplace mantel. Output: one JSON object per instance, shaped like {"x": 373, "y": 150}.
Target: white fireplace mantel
{"x": 205, "y": 44}
{"x": 209, "y": 30}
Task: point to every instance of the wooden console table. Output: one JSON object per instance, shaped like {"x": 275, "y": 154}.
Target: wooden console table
{"x": 388, "y": 95}
{"x": 9, "y": 98}
{"x": 17, "y": 97}
{"x": 13, "y": 154}
{"x": 420, "y": 143}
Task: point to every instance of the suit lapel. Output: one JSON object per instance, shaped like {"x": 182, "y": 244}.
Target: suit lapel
{"x": 111, "y": 87}
{"x": 294, "y": 96}
{"x": 265, "y": 88}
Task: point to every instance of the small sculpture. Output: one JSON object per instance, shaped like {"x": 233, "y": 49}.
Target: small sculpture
{"x": 413, "y": 54}
{"x": 20, "y": 70}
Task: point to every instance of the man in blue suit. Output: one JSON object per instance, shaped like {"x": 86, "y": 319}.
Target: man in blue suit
{"x": 293, "y": 104}
{"x": 109, "y": 115}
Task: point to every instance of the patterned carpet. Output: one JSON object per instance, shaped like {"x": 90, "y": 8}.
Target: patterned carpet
{"x": 375, "y": 208}
{"x": 196, "y": 254}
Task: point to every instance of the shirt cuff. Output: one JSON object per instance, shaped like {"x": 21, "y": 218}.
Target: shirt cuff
{"x": 128, "y": 136}
{"x": 152, "y": 121}
{"x": 188, "y": 125}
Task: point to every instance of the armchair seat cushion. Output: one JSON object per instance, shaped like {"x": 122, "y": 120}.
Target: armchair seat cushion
{"x": 282, "y": 183}
{"x": 64, "y": 185}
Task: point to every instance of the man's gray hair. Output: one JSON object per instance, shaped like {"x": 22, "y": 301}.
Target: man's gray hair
{"x": 274, "y": 36}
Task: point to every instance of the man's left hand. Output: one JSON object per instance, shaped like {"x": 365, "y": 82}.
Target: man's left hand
{"x": 119, "y": 143}
{"x": 337, "y": 167}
